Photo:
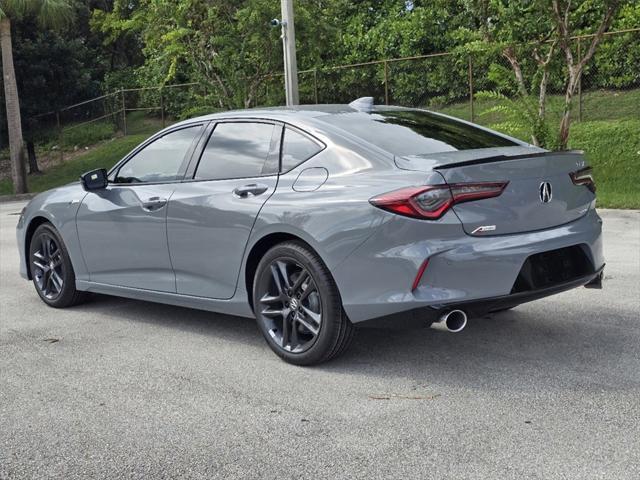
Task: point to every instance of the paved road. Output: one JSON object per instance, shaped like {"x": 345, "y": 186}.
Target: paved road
{"x": 126, "y": 389}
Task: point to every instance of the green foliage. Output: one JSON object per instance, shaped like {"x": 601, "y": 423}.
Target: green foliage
{"x": 228, "y": 47}
{"x": 197, "y": 111}
{"x": 114, "y": 80}
{"x": 502, "y": 77}
{"x": 518, "y": 115}
{"x": 373, "y": 30}
{"x": 54, "y": 68}
{"x": 88, "y": 134}
{"x": 617, "y": 62}
{"x": 54, "y": 14}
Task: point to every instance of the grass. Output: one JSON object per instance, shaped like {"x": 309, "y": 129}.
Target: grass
{"x": 613, "y": 150}
{"x": 88, "y": 134}
{"x": 139, "y": 123}
{"x": 103, "y": 156}
{"x": 596, "y": 105}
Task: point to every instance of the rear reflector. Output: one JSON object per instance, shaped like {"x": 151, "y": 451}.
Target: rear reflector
{"x": 432, "y": 201}
{"x": 416, "y": 281}
{"x": 584, "y": 177}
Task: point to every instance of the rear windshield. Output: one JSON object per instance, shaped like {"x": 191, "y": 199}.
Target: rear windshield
{"x": 415, "y": 132}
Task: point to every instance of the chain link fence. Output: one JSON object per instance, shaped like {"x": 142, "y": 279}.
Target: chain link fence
{"x": 466, "y": 85}
{"x": 470, "y": 85}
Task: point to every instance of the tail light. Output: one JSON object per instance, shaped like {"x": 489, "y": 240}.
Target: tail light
{"x": 432, "y": 201}
{"x": 584, "y": 177}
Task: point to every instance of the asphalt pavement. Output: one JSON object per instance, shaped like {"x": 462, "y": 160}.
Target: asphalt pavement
{"x": 119, "y": 388}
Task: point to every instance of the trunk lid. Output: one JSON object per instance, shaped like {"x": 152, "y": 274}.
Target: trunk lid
{"x": 540, "y": 193}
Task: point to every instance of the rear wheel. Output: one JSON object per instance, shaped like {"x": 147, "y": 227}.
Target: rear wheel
{"x": 51, "y": 268}
{"x": 298, "y": 307}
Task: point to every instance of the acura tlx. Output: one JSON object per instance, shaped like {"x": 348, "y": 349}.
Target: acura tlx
{"x": 319, "y": 219}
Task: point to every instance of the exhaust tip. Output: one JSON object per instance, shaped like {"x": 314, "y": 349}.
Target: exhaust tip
{"x": 453, "y": 321}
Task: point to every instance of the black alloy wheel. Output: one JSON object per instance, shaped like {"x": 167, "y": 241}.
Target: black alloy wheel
{"x": 51, "y": 268}
{"x": 298, "y": 306}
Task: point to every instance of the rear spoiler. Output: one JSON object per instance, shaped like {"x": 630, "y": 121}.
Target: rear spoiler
{"x": 506, "y": 158}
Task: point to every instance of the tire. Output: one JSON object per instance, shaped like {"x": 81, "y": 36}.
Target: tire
{"x": 298, "y": 306}
{"x": 51, "y": 269}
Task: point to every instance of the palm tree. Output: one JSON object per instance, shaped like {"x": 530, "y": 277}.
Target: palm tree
{"x": 50, "y": 13}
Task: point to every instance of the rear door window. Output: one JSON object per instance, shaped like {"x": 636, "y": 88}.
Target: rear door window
{"x": 237, "y": 150}
{"x": 297, "y": 148}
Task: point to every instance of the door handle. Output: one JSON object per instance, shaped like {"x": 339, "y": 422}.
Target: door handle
{"x": 153, "y": 204}
{"x": 251, "y": 189}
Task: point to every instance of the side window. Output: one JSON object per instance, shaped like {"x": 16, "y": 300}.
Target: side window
{"x": 296, "y": 148}
{"x": 160, "y": 160}
{"x": 236, "y": 150}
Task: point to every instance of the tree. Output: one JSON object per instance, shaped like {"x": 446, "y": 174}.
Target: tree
{"x": 49, "y": 13}
{"x": 549, "y": 25}
{"x": 226, "y": 46}
{"x": 564, "y": 14}
{"x": 522, "y": 31}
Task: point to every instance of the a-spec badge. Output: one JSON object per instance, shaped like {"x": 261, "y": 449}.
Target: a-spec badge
{"x": 484, "y": 228}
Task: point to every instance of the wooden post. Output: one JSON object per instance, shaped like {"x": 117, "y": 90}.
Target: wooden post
{"x": 124, "y": 114}
{"x": 386, "y": 82}
{"x": 471, "y": 106}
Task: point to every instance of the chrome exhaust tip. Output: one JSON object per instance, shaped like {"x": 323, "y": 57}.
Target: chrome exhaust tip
{"x": 453, "y": 321}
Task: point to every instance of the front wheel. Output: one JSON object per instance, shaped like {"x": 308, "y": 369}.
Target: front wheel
{"x": 51, "y": 268}
{"x": 298, "y": 307}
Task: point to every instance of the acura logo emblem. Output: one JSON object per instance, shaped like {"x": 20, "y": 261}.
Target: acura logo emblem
{"x": 545, "y": 192}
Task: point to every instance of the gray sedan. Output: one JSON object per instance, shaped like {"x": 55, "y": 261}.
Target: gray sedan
{"x": 321, "y": 218}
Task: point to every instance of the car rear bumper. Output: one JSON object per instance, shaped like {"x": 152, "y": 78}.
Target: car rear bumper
{"x": 424, "y": 316}
{"x": 478, "y": 272}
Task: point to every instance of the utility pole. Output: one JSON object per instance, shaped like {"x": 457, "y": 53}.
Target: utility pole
{"x": 289, "y": 51}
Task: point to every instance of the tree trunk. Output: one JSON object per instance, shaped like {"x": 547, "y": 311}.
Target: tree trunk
{"x": 510, "y": 54}
{"x": 565, "y": 123}
{"x": 542, "y": 95}
{"x": 14, "y": 123}
{"x": 562, "y": 14}
{"x": 33, "y": 161}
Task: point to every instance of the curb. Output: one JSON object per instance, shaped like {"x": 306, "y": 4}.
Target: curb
{"x": 16, "y": 198}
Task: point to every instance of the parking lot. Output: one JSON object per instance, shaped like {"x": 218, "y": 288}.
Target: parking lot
{"x": 118, "y": 388}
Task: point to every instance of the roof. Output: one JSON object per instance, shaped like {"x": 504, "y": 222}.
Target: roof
{"x": 301, "y": 112}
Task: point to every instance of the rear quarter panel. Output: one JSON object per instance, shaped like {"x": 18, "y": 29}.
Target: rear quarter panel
{"x": 336, "y": 217}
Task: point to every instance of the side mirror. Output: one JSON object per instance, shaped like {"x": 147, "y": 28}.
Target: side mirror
{"x": 94, "y": 180}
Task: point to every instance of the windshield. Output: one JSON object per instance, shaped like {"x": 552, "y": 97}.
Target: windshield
{"x": 415, "y": 132}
